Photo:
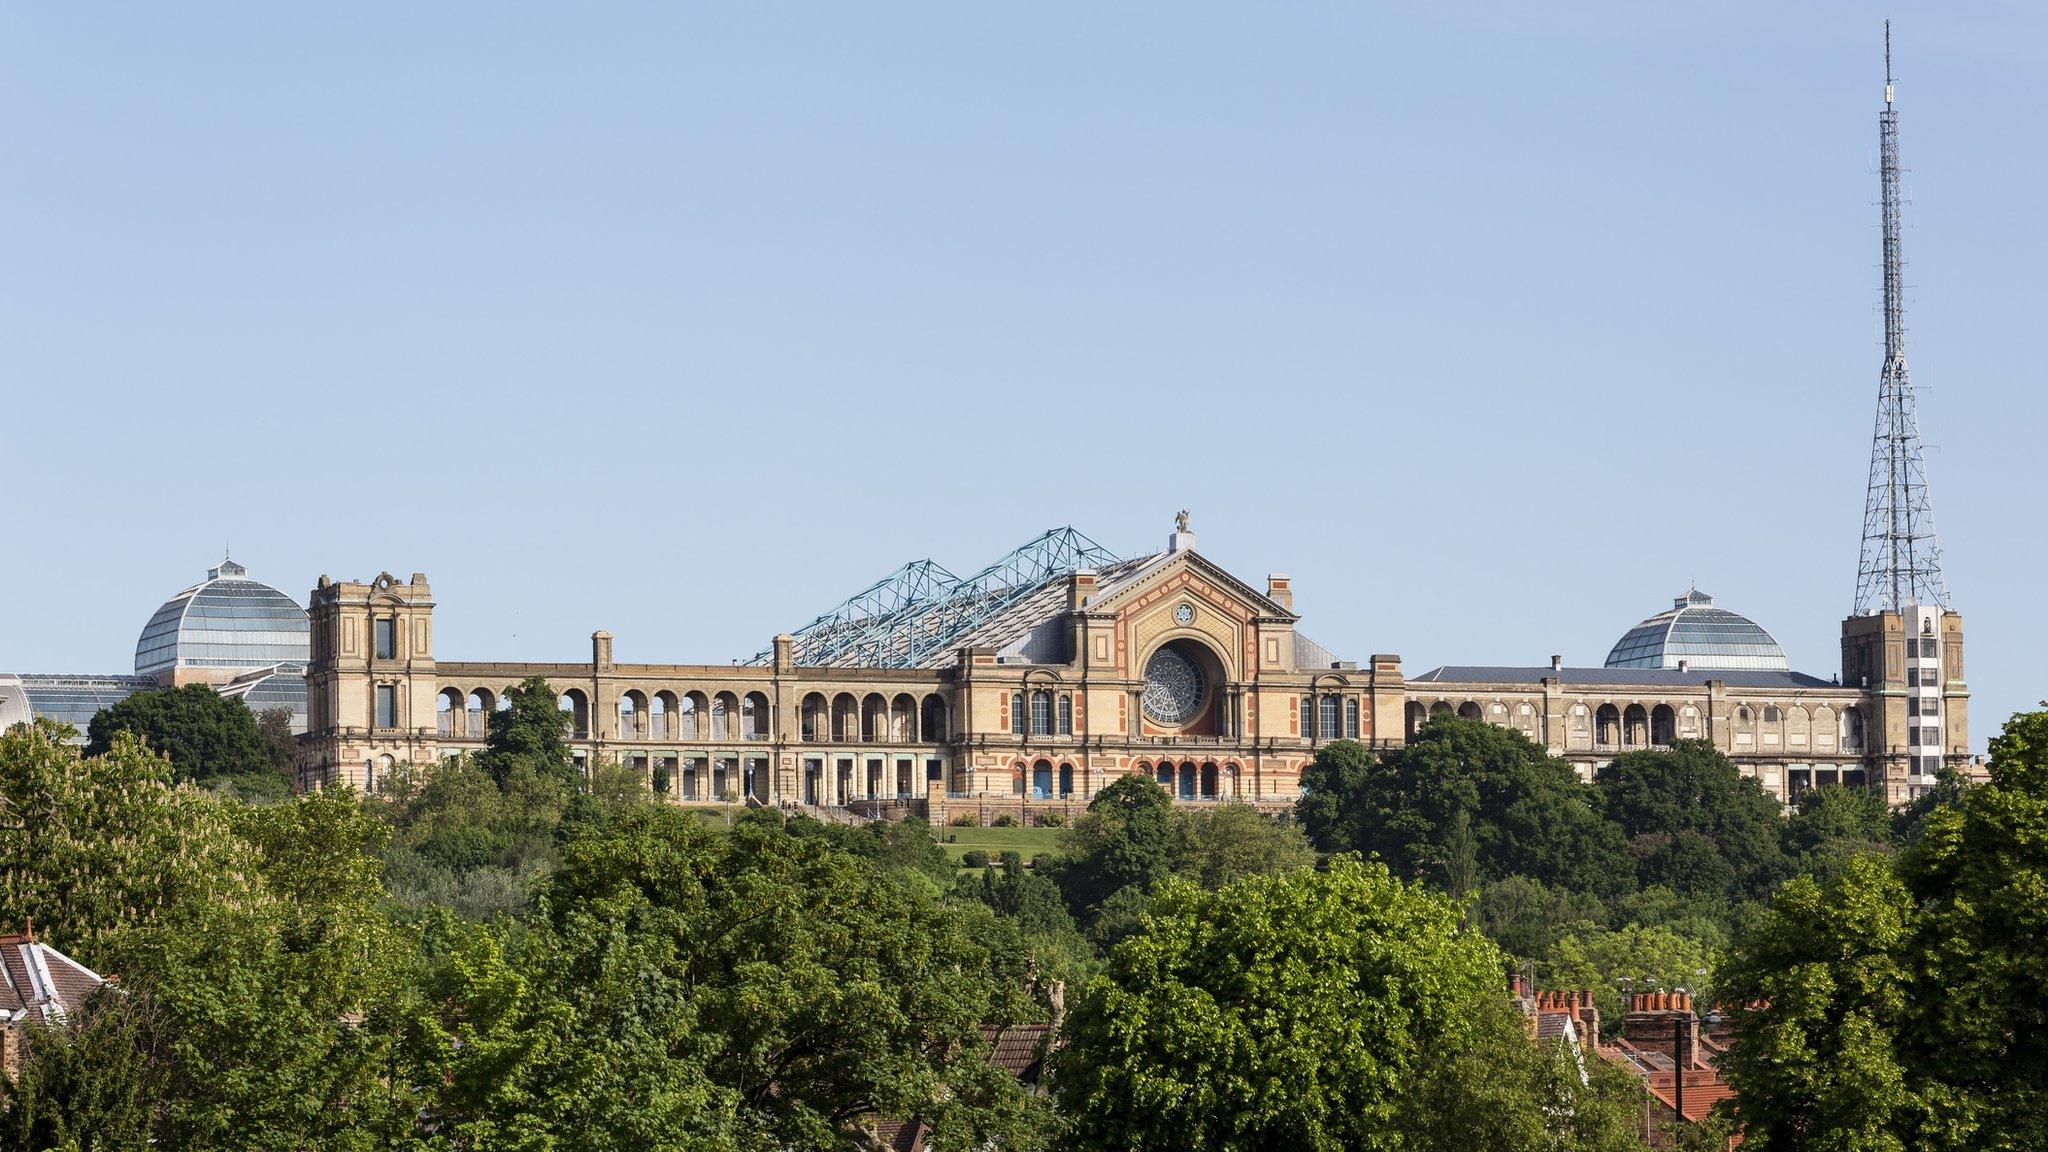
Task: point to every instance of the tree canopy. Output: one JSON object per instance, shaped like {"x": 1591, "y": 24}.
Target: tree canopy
{"x": 1461, "y": 803}
{"x": 1336, "y": 1009}
{"x": 1693, "y": 822}
{"x": 1898, "y": 1002}
{"x": 206, "y": 736}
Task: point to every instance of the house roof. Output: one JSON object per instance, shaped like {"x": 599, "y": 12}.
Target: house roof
{"x": 38, "y": 982}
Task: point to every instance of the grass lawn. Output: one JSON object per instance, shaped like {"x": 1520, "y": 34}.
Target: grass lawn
{"x": 1026, "y": 842}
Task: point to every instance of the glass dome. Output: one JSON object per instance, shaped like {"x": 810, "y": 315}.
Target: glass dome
{"x": 229, "y": 621}
{"x": 1699, "y": 635}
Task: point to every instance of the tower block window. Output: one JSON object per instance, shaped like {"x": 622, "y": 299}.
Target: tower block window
{"x": 386, "y": 637}
{"x": 387, "y": 706}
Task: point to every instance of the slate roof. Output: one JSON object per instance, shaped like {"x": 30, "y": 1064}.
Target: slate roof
{"x": 1617, "y": 677}
{"x": 1309, "y": 655}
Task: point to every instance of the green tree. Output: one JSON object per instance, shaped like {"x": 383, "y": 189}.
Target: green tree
{"x": 1231, "y": 841}
{"x": 1898, "y": 1002}
{"x": 1466, "y": 802}
{"x": 206, "y": 735}
{"x": 1298, "y": 1010}
{"x": 756, "y": 970}
{"x": 1527, "y": 917}
{"x": 529, "y": 736}
{"x": 1487, "y": 1087}
{"x": 1031, "y": 902}
{"x": 1331, "y": 785}
{"x": 90, "y": 1082}
{"x": 1126, "y": 839}
{"x": 1695, "y": 823}
{"x": 1832, "y": 823}
{"x": 459, "y": 840}
{"x": 100, "y": 849}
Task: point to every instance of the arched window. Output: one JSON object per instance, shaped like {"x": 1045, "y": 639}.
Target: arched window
{"x": 934, "y": 719}
{"x": 1663, "y": 725}
{"x": 721, "y": 717}
{"x": 1327, "y": 728}
{"x": 1469, "y": 710}
{"x": 754, "y": 717}
{"x": 1041, "y": 712}
{"x": 446, "y": 705}
{"x": 816, "y": 717}
{"x": 874, "y": 718}
{"x": 631, "y": 707}
{"x": 476, "y": 706}
{"x": 1351, "y": 718}
{"x": 1771, "y": 714}
{"x": 1607, "y": 726}
{"x": 1308, "y": 717}
{"x": 1041, "y": 781}
{"x": 578, "y": 707}
{"x": 690, "y": 710}
{"x": 1066, "y": 780}
{"x": 903, "y": 718}
{"x": 845, "y": 718}
{"x": 1635, "y": 725}
{"x": 662, "y": 708}
{"x": 1016, "y": 713}
{"x": 1066, "y": 714}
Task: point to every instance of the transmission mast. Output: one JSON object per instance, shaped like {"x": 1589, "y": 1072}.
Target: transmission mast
{"x": 1901, "y": 561}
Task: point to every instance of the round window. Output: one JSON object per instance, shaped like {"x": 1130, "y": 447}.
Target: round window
{"x": 1173, "y": 687}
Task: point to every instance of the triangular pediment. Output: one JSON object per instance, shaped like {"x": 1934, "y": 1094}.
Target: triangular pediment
{"x": 1186, "y": 569}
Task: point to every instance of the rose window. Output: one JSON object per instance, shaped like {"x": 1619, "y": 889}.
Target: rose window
{"x": 1173, "y": 688}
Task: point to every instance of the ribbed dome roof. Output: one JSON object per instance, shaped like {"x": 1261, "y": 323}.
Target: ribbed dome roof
{"x": 227, "y": 621}
{"x": 1700, "y": 635}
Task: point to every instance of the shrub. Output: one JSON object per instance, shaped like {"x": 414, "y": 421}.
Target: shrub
{"x": 965, "y": 820}
{"x": 974, "y": 858}
{"x": 1052, "y": 819}
{"x": 1004, "y": 821}
{"x": 1013, "y": 860}
{"x": 1041, "y": 861}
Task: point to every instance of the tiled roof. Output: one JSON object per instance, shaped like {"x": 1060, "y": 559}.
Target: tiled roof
{"x": 1018, "y": 1049}
{"x": 1617, "y": 677}
{"x": 39, "y": 981}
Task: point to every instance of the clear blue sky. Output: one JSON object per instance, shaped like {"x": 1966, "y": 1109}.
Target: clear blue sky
{"x": 1493, "y": 329}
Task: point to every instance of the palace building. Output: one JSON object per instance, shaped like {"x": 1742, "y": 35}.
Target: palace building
{"x": 1043, "y": 677}
{"x": 1062, "y": 666}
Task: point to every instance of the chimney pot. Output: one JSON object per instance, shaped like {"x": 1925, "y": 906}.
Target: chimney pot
{"x": 1557, "y": 663}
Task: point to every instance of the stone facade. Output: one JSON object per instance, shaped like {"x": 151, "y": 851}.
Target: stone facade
{"x": 985, "y": 726}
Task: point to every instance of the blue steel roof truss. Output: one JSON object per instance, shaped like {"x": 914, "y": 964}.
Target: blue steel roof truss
{"x": 920, "y": 609}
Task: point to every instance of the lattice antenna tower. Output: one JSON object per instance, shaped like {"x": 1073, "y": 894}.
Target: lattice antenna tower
{"x": 1901, "y": 562}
